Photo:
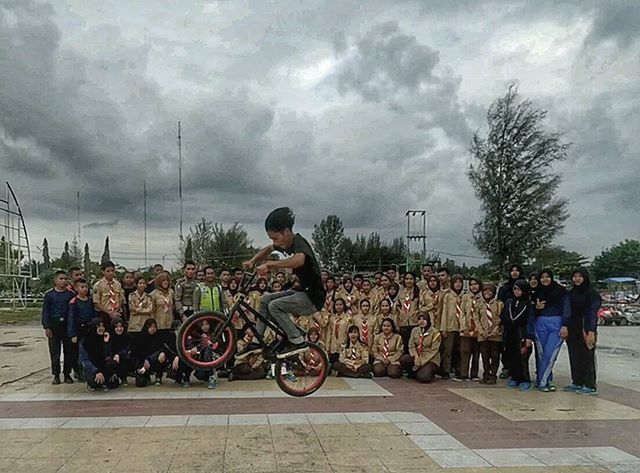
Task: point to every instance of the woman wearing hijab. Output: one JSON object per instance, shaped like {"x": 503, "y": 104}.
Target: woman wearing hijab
{"x": 120, "y": 342}
{"x": 517, "y": 340}
{"x": 580, "y": 333}
{"x": 96, "y": 359}
{"x": 469, "y": 347}
{"x": 552, "y": 311}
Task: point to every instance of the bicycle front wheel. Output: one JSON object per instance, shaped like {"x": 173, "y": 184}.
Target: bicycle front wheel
{"x": 304, "y": 373}
{"x": 206, "y": 341}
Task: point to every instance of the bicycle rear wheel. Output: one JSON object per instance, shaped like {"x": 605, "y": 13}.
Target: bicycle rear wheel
{"x": 302, "y": 374}
{"x": 206, "y": 350}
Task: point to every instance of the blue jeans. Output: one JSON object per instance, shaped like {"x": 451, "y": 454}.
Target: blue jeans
{"x": 548, "y": 344}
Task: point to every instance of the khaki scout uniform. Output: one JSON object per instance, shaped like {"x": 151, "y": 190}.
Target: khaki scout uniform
{"x": 369, "y": 326}
{"x": 407, "y": 308}
{"x": 108, "y": 295}
{"x": 427, "y": 305}
{"x": 387, "y": 348}
{"x": 487, "y": 319}
{"x": 425, "y": 345}
{"x": 338, "y": 326}
{"x": 354, "y": 356}
{"x": 140, "y": 309}
{"x": 350, "y": 299}
{"x": 163, "y": 307}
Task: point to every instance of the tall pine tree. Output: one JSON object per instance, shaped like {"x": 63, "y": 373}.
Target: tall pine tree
{"x": 328, "y": 238}
{"x": 188, "y": 251}
{"x": 65, "y": 258}
{"x": 46, "y": 259}
{"x": 512, "y": 176}
{"x": 86, "y": 259}
{"x": 106, "y": 254}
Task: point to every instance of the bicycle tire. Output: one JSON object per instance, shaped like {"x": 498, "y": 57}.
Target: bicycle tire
{"x": 323, "y": 363}
{"x": 227, "y": 347}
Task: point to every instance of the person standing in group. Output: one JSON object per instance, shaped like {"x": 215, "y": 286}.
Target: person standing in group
{"x": 108, "y": 295}
{"x": 255, "y": 295}
{"x": 157, "y": 270}
{"x": 81, "y": 312}
{"x": 200, "y": 276}
{"x": 429, "y": 298}
{"x": 387, "y": 351}
{"x": 517, "y": 340}
{"x": 353, "y": 361}
{"x": 367, "y": 292}
{"x": 367, "y": 323}
{"x": 580, "y": 333}
{"x": 469, "y": 346}
{"x": 75, "y": 274}
{"x": 533, "y": 285}
{"x": 128, "y": 287}
{"x": 140, "y": 306}
{"x": 504, "y": 293}
{"x": 450, "y": 310}
{"x": 349, "y": 295}
{"x": 185, "y": 287}
{"x": 408, "y": 307}
{"x": 489, "y": 332}
{"x": 55, "y": 311}
{"x": 423, "y": 360}
{"x": 339, "y": 322}
{"x": 425, "y": 272}
{"x": 163, "y": 300}
{"x": 209, "y": 295}
{"x": 377, "y": 279}
{"x": 358, "y": 279}
{"x": 552, "y": 312}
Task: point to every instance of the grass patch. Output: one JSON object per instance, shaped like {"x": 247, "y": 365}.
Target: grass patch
{"x": 25, "y": 316}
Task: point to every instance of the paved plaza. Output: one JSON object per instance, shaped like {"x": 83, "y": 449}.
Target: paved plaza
{"x": 348, "y": 426}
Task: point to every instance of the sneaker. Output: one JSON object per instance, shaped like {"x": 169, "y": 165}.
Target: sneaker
{"x": 544, "y": 389}
{"x": 213, "y": 383}
{"x": 504, "y": 374}
{"x": 526, "y": 386}
{"x": 459, "y": 379}
{"x": 491, "y": 381}
{"x": 512, "y": 383}
{"x": 291, "y": 349}
{"x": 291, "y": 377}
{"x": 158, "y": 380}
{"x": 552, "y": 387}
{"x": 78, "y": 377}
{"x": 587, "y": 391}
{"x": 231, "y": 377}
{"x": 56, "y": 380}
{"x": 445, "y": 376}
{"x": 105, "y": 389}
{"x": 90, "y": 389}
{"x": 186, "y": 384}
{"x": 475, "y": 378}
{"x": 571, "y": 388}
{"x": 124, "y": 382}
{"x": 270, "y": 376}
{"x": 68, "y": 379}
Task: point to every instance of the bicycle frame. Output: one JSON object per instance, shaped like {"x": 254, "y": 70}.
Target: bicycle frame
{"x": 241, "y": 306}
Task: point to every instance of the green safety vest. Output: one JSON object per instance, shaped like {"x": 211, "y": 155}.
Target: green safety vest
{"x": 210, "y": 298}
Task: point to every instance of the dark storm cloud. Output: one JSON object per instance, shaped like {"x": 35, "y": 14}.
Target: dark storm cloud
{"x": 617, "y": 20}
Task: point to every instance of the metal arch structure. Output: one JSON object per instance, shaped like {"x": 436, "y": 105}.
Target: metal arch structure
{"x": 15, "y": 254}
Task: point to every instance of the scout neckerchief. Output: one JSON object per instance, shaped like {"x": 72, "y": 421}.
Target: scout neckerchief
{"x": 328, "y": 301}
{"x": 423, "y": 335}
{"x": 365, "y": 330}
{"x": 406, "y": 303}
{"x": 141, "y": 297}
{"x": 113, "y": 301}
{"x": 336, "y": 329}
{"x": 353, "y": 353}
{"x": 472, "y": 323}
{"x": 166, "y": 298}
{"x": 385, "y": 348}
{"x": 489, "y": 313}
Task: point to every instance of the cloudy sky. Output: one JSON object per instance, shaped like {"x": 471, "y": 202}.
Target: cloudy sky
{"x": 361, "y": 109}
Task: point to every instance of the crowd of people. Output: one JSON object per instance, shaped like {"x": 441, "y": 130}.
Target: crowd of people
{"x": 396, "y": 325}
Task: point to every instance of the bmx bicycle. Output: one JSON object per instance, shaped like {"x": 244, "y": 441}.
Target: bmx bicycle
{"x": 298, "y": 375}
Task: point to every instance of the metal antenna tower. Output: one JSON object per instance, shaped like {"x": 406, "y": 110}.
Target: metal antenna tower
{"x": 180, "y": 176}
{"x": 416, "y": 231}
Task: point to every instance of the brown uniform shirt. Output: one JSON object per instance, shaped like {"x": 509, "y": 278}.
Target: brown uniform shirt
{"x": 140, "y": 308}
{"x": 387, "y": 348}
{"x": 450, "y": 308}
{"x": 163, "y": 307}
{"x": 468, "y": 321}
{"x": 369, "y": 327}
{"x": 407, "y": 308}
{"x": 425, "y": 345}
{"x": 350, "y": 299}
{"x": 109, "y": 295}
{"x": 488, "y": 320}
{"x": 338, "y": 326}
{"x": 354, "y": 356}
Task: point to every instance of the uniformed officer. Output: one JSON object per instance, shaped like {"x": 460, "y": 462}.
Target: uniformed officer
{"x": 185, "y": 288}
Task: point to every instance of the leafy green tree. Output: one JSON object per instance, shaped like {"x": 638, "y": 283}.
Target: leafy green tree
{"x": 188, "y": 252}
{"x": 622, "y": 259}
{"x": 512, "y": 175}
{"x": 211, "y": 243}
{"x": 328, "y": 239}
{"x": 561, "y": 261}
{"x": 65, "y": 259}
{"x": 45, "y": 254}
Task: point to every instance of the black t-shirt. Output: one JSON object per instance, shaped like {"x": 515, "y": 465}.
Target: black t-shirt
{"x": 309, "y": 272}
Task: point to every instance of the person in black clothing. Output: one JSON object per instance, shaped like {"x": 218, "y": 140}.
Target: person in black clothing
{"x": 580, "y": 333}
{"x": 96, "y": 358}
{"x": 129, "y": 287}
{"x": 306, "y": 300}
{"x": 81, "y": 311}
{"x": 505, "y": 293}
{"x": 517, "y": 340}
{"x": 120, "y": 348}
{"x": 55, "y": 311}
{"x": 153, "y": 353}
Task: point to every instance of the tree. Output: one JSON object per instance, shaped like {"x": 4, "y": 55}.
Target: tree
{"x": 86, "y": 260}
{"x": 211, "y": 244}
{"x": 561, "y": 261}
{"x": 188, "y": 251}
{"x": 328, "y": 243}
{"x": 65, "y": 258}
{"x": 45, "y": 254}
{"x": 622, "y": 259}
{"x": 106, "y": 254}
{"x": 75, "y": 253}
{"x": 512, "y": 176}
